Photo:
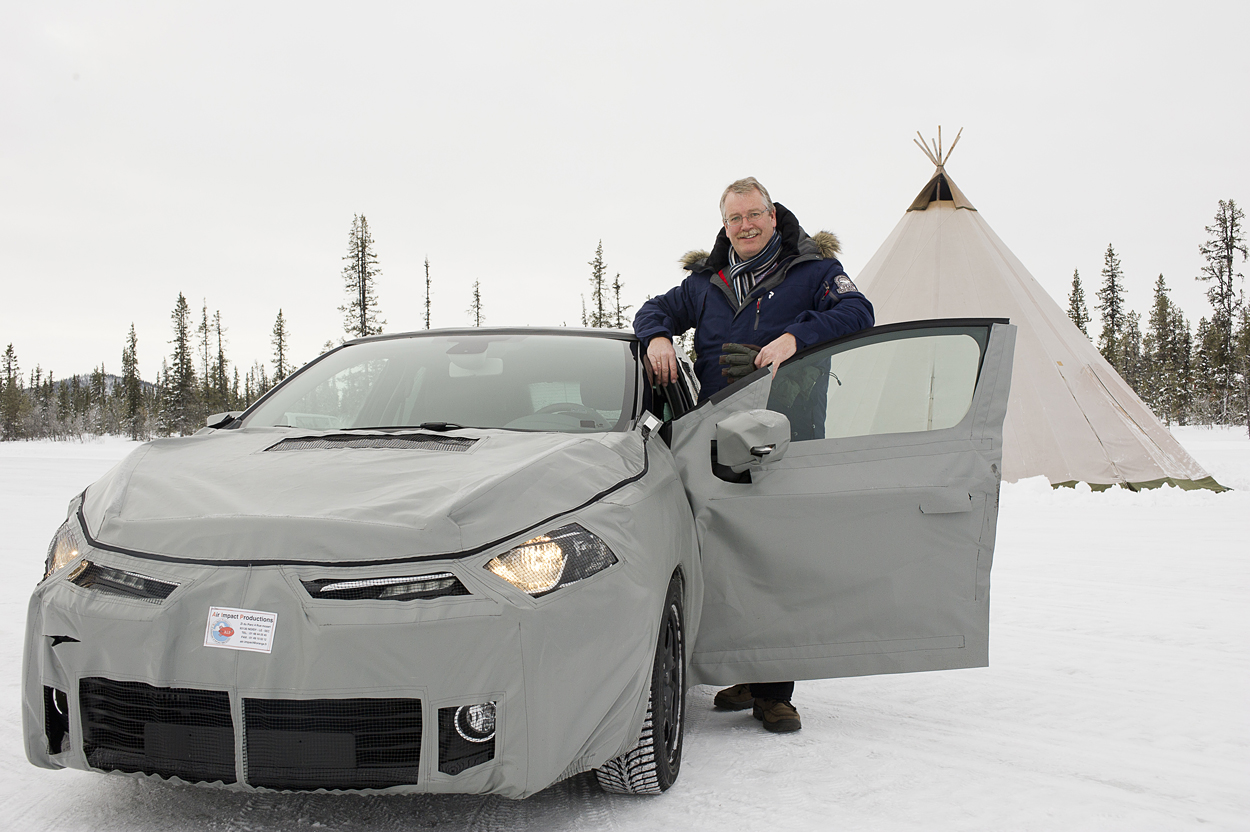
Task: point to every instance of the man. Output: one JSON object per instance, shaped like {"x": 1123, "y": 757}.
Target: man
{"x": 766, "y": 282}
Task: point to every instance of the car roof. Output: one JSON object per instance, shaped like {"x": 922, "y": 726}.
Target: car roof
{"x": 570, "y": 331}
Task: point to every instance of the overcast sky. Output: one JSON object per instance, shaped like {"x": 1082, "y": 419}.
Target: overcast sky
{"x": 221, "y": 149}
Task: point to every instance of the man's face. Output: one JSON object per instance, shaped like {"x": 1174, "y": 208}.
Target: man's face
{"x": 748, "y": 236}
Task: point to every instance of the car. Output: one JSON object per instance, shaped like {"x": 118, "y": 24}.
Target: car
{"x": 485, "y": 560}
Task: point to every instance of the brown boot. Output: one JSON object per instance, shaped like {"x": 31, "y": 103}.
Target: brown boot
{"x": 778, "y": 716}
{"x": 736, "y": 698}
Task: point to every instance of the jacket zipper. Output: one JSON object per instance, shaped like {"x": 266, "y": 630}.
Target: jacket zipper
{"x": 758, "y": 301}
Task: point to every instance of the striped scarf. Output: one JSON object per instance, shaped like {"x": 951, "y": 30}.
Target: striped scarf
{"x": 744, "y": 274}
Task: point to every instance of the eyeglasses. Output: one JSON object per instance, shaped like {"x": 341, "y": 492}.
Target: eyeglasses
{"x": 737, "y": 219}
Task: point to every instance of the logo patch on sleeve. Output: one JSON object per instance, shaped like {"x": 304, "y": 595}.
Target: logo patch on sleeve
{"x": 844, "y": 284}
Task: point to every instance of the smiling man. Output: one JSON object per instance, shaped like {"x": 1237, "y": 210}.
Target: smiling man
{"x": 766, "y": 291}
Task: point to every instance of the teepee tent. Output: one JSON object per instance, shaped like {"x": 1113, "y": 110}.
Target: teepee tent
{"x": 1071, "y": 418}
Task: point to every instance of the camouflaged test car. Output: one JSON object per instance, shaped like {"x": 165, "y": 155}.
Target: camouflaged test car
{"x": 485, "y": 560}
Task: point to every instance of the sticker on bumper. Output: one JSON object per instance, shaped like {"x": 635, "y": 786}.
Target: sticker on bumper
{"x": 240, "y": 629}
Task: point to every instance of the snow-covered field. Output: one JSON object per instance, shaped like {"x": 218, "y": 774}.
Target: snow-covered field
{"x": 1118, "y": 697}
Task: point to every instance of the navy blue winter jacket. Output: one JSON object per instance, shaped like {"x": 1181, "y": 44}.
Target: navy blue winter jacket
{"x": 809, "y": 296}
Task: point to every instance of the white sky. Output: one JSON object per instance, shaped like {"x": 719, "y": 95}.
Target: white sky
{"x": 221, "y": 149}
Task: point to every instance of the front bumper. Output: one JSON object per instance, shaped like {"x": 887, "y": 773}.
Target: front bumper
{"x": 354, "y": 695}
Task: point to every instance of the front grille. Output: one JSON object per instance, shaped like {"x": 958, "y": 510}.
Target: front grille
{"x": 110, "y": 581}
{"x": 415, "y": 587}
{"x": 332, "y": 743}
{"x": 170, "y": 732}
{"x": 419, "y": 442}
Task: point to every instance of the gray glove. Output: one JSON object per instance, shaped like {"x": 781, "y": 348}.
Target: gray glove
{"x": 738, "y": 360}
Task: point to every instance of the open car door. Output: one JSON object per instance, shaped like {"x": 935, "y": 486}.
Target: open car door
{"x": 866, "y": 547}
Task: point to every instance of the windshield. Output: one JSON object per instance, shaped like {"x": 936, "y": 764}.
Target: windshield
{"x": 525, "y": 382}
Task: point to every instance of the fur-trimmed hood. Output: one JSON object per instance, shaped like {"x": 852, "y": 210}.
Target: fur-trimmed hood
{"x": 794, "y": 241}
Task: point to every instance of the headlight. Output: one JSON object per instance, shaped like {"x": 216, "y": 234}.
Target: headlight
{"x": 547, "y": 562}
{"x": 62, "y": 550}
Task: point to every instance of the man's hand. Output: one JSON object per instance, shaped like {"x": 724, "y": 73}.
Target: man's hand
{"x": 776, "y": 352}
{"x": 663, "y": 360}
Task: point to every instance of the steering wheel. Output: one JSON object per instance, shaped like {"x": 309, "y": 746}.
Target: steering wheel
{"x": 569, "y": 407}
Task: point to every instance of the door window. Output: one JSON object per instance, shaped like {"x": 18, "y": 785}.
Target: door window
{"x": 887, "y": 382}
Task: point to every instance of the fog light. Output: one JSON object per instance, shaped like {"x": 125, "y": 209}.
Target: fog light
{"x": 476, "y": 723}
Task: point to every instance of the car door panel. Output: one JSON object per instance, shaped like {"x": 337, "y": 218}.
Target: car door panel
{"x": 858, "y": 554}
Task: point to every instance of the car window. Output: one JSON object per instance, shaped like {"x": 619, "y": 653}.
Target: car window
{"x": 492, "y": 380}
{"x": 891, "y": 382}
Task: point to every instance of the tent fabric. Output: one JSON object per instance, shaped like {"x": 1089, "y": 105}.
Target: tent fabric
{"x": 1071, "y": 417}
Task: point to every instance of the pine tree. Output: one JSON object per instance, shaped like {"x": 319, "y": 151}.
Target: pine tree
{"x": 1241, "y": 351}
{"x": 1130, "y": 353}
{"x": 1111, "y": 306}
{"x": 220, "y": 373}
{"x": 64, "y": 404}
{"x": 1165, "y": 356}
{"x": 132, "y": 389}
{"x": 204, "y": 341}
{"x": 1204, "y": 400}
{"x": 99, "y": 400}
{"x": 281, "y": 366}
{"x": 361, "y": 316}
{"x": 1077, "y": 310}
{"x": 1183, "y": 356}
{"x": 619, "y": 320}
{"x": 475, "y": 307}
{"x": 427, "y": 291}
{"x": 12, "y": 396}
{"x": 180, "y": 393}
{"x": 599, "y": 316}
{"x": 77, "y": 406}
{"x": 1227, "y": 239}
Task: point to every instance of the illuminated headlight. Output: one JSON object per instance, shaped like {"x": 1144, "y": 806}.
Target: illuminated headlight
{"x": 547, "y": 562}
{"x": 62, "y": 550}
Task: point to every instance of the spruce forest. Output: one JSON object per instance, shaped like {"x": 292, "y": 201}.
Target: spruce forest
{"x": 197, "y": 379}
{"x": 1188, "y": 374}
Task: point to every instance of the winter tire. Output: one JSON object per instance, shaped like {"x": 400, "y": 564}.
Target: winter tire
{"x": 652, "y": 765}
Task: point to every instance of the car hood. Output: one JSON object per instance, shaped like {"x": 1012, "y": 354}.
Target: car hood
{"x": 256, "y": 495}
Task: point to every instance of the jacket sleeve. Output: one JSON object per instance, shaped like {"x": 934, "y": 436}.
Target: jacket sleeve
{"x": 838, "y": 309}
{"x": 669, "y": 314}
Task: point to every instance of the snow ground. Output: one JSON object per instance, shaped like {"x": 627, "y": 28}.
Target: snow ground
{"x": 1116, "y": 698}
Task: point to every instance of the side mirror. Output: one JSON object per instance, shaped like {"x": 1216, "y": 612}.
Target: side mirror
{"x": 751, "y": 438}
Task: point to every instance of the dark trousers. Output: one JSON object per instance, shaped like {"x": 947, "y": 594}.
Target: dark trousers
{"x": 773, "y": 690}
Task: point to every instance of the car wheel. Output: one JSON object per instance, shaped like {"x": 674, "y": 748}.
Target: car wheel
{"x": 651, "y": 766}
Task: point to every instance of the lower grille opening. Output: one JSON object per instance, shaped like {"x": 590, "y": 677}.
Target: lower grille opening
{"x": 466, "y": 737}
{"x": 170, "y": 732}
{"x": 332, "y": 743}
{"x": 56, "y": 719}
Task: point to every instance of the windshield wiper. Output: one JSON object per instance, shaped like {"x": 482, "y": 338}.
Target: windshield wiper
{"x": 436, "y": 426}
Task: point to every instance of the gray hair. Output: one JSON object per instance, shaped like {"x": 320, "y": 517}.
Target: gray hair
{"x": 746, "y": 186}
